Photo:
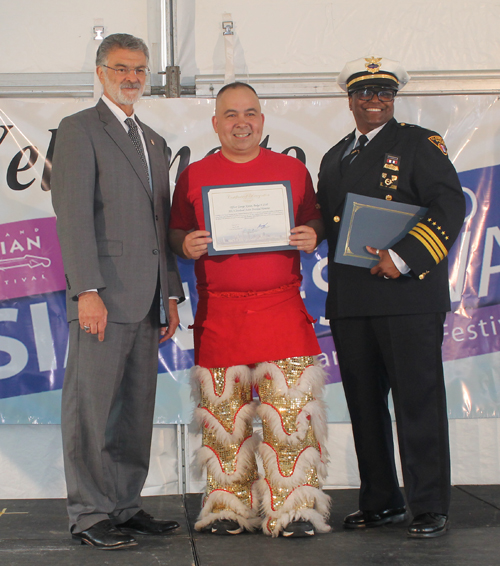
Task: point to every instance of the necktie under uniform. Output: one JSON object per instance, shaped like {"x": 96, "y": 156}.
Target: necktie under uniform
{"x": 133, "y": 132}
{"x": 348, "y": 159}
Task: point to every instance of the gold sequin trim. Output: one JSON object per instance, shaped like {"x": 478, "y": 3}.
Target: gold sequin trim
{"x": 287, "y": 455}
{"x": 225, "y": 412}
{"x": 288, "y": 408}
{"x": 271, "y": 524}
{"x": 241, "y": 489}
{"x": 218, "y": 380}
{"x": 227, "y": 454}
{"x": 293, "y": 368}
{"x": 279, "y": 494}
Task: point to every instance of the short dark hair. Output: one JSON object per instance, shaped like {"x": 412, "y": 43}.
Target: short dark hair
{"x": 236, "y": 84}
{"x": 119, "y": 41}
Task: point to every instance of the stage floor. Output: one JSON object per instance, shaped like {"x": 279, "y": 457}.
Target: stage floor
{"x": 34, "y": 533}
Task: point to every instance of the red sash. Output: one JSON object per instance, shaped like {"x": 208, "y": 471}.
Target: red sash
{"x": 245, "y": 328}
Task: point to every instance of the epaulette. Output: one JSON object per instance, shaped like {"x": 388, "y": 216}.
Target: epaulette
{"x": 343, "y": 140}
{"x": 405, "y": 125}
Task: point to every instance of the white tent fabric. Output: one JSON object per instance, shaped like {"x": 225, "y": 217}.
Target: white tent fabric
{"x": 270, "y": 37}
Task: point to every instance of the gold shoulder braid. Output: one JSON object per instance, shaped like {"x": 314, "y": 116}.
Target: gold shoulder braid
{"x": 431, "y": 235}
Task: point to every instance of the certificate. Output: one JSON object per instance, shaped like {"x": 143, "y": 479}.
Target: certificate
{"x": 248, "y": 218}
{"x": 368, "y": 221}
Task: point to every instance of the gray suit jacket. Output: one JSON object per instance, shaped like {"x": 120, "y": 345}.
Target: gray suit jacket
{"x": 112, "y": 229}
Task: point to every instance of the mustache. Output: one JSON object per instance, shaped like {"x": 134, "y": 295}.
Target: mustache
{"x": 129, "y": 84}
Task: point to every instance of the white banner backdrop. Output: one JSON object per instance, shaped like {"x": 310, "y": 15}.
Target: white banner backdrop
{"x": 33, "y": 331}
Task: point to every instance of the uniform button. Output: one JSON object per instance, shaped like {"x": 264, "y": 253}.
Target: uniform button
{"x": 336, "y": 218}
{"x": 156, "y": 252}
{"x": 388, "y": 197}
{"x": 156, "y": 217}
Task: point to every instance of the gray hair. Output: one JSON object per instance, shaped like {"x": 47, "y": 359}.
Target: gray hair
{"x": 119, "y": 41}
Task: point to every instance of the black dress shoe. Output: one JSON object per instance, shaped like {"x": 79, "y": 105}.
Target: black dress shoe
{"x": 363, "y": 519}
{"x": 143, "y": 524}
{"x": 298, "y": 529}
{"x": 105, "y": 536}
{"x": 428, "y": 525}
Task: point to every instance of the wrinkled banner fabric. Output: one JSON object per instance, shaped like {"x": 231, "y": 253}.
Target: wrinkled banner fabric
{"x": 33, "y": 328}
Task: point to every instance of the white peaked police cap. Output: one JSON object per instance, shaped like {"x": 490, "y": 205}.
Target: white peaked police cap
{"x": 372, "y": 71}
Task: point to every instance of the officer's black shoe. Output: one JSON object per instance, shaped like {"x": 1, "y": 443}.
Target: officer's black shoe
{"x": 364, "y": 519}
{"x": 428, "y": 525}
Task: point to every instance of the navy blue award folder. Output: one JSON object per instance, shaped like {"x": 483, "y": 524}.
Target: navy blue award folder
{"x": 375, "y": 222}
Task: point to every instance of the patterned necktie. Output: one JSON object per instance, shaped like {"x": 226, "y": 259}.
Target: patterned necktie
{"x": 348, "y": 159}
{"x": 133, "y": 132}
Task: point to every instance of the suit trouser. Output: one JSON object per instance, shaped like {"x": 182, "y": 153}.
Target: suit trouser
{"x": 402, "y": 354}
{"x": 107, "y": 419}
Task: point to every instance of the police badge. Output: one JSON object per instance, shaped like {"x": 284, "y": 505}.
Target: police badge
{"x": 373, "y": 64}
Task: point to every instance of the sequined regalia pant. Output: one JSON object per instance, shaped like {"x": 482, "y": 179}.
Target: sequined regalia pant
{"x": 292, "y": 450}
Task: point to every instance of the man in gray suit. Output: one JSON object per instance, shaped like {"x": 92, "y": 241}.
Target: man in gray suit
{"x": 110, "y": 191}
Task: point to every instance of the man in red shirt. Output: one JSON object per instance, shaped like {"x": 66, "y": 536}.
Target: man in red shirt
{"x": 252, "y": 328}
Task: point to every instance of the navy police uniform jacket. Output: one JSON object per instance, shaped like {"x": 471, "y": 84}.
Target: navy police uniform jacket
{"x": 407, "y": 164}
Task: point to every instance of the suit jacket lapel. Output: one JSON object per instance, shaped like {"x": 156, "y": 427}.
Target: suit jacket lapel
{"x": 372, "y": 156}
{"x": 335, "y": 195}
{"x": 155, "y": 154}
{"x": 118, "y": 134}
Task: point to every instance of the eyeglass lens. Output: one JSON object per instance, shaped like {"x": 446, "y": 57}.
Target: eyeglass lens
{"x": 123, "y": 71}
{"x": 383, "y": 95}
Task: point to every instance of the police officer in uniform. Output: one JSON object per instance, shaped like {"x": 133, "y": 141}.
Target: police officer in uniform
{"x": 387, "y": 322}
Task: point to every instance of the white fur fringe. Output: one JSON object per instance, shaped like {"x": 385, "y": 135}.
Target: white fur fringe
{"x": 311, "y": 381}
{"x": 246, "y": 517}
{"x": 201, "y": 377}
{"x": 308, "y": 459}
{"x": 204, "y": 418}
{"x": 291, "y": 510}
{"x": 245, "y": 459}
{"x": 314, "y": 410}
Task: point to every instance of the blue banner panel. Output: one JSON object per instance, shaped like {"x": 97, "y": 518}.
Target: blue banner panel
{"x": 33, "y": 344}
{"x": 33, "y": 328}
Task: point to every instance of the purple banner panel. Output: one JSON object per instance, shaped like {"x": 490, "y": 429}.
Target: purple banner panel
{"x": 475, "y": 332}
{"x": 30, "y": 259}
{"x": 329, "y": 359}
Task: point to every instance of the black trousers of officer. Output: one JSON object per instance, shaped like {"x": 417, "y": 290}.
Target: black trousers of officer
{"x": 402, "y": 354}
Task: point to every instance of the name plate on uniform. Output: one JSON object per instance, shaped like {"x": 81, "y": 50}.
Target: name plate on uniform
{"x": 374, "y": 222}
{"x": 255, "y": 217}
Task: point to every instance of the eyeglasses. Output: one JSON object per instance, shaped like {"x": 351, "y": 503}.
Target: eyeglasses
{"x": 367, "y": 94}
{"x": 140, "y": 72}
